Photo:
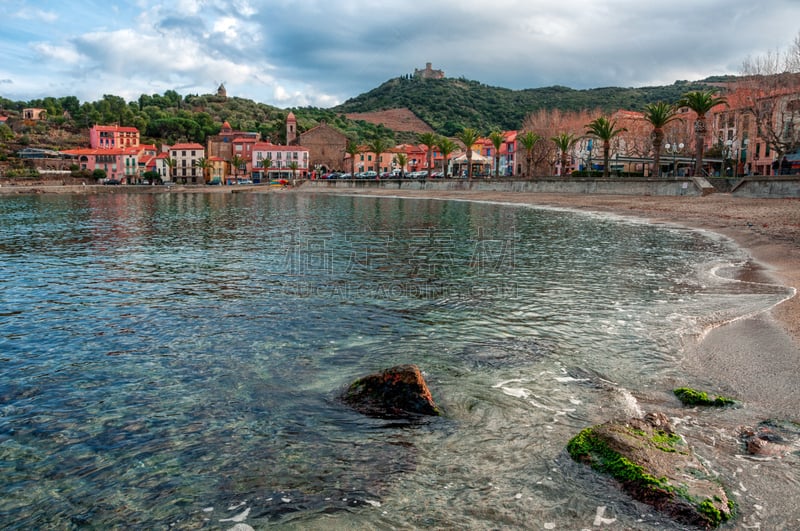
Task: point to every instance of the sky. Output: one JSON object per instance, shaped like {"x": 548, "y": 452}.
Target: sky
{"x": 292, "y": 53}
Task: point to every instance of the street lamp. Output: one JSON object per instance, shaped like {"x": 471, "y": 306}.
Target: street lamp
{"x": 674, "y": 149}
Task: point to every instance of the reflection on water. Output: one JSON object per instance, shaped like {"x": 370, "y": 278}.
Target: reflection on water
{"x": 174, "y": 360}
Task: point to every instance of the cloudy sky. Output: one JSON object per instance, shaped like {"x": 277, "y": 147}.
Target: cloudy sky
{"x": 321, "y": 52}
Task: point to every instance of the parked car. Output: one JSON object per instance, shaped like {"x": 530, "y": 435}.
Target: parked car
{"x": 370, "y": 174}
{"x": 346, "y": 176}
{"x": 437, "y": 174}
{"x": 245, "y": 181}
{"x": 111, "y": 181}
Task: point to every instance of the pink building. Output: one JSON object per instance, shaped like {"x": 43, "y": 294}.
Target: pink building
{"x": 113, "y": 136}
{"x": 281, "y": 158}
{"x": 119, "y": 164}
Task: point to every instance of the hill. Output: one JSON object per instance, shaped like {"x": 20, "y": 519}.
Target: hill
{"x": 398, "y": 109}
{"x": 450, "y": 104}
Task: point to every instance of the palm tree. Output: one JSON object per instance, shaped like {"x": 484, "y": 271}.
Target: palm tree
{"x": 606, "y": 130}
{"x": 293, "y": 166}
{"x": 496, "y": 138}
{"x": 236, "y": 163}
{"x": 528, "y": 141}
{"x": 564, "y": 143}
{"x": 446, "y": 147}
{"x": 700, "y": 101}
{"x": 379, "y": 146}
{"x": 204, "y": 164}
{"x": 429, "y": 141}
{"x": 401, "y": 159}
{"x": 171, "y": 164}
{"x": 266, "y": 164}
{"x": 352, "y": 149}
{"x": 659, "y": 114}
{"x": 468, "y": 136}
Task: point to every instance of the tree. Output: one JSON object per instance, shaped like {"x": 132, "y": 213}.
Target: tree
{"x": 171, "y": 164}
{"x": 266, "y": 164}
{"x": 401, "y": 159}
{"x": 204, "y": 164}
{"x": 605, "y": 130}
{"x": 446, "y": 147}
{"x": 352, "y": 149}
{"x": 236, "y": 163}
{"x": 768, "y": 92}
{"x": 429, "y": 141}
{"x": 293, "y": 166}
{"x": 564, "y": 143}
{"x": 528, "y": 141}
{"x": 379, "y": 146}
{"x": 700, "y": 101}
{"x": 496, "y": 138}
{"x": 468, "y": 136}
{"x": 658, "y": 114}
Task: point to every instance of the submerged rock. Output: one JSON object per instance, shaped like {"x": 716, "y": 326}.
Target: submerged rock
{"x": 400, "y": 391}
{"x": 655, "y": 466}
{"x": 770, "y": 438}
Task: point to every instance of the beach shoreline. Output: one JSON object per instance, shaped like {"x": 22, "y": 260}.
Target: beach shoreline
{"x": 756, "y": 358}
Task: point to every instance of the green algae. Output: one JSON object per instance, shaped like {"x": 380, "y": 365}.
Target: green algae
{"x": 587, "y": 448}
{"x": 693, "y": 397}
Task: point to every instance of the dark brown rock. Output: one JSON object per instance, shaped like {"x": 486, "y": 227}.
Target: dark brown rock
{"x": 400, "y": 391}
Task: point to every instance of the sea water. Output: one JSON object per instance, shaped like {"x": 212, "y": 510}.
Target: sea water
{"x": 175, "y": 360}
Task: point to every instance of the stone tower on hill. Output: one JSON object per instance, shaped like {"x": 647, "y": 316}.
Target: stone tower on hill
{"x": 428, "y": 73}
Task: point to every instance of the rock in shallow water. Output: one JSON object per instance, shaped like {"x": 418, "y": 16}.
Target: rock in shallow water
{"x": 400, "y": 391}
{"x": 655, "y": 466}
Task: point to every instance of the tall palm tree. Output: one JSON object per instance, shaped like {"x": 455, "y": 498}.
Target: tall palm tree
{"x": 605, "y": 130}
{"x": 496, "y": 138}
{"x": 700, "y": 101}
{"x": 401, "y": 159}
{"x": 379, "y": 146}
{"x": 564, "y": 143}
{"x": 204, "y": 164}
{"x": 293, "y": 166}
{"x": 171, "y": 164}
{"x": 528, "y": 140}
{"x": 446, "y": 147}
{"x": 659, "y": 114}
{"x": 429, "y": 141}
{"x": 352, "y": 149}
{"x": 236, "y": 164}
{"x": 266, "y": 164}
{"x": 468, "y": 136}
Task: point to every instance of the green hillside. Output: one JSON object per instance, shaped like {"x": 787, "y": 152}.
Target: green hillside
{"x": 447, "y": 105}
{"x": 450, "y": 104}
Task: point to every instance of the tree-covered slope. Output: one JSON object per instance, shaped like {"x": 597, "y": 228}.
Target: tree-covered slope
{"x": 450, "y": 104}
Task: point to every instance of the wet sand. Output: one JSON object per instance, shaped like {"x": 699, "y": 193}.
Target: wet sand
{"x": 757, "y": 359}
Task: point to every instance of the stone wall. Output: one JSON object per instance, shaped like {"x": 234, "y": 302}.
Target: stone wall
{"x": 778, "y": 186}
{"x": 688, "y": 186}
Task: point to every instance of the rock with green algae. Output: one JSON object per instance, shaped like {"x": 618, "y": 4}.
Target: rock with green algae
{"x": 400, "y": 391}
{"x": 693, "y": 397}
{"x": 655, "y": 466}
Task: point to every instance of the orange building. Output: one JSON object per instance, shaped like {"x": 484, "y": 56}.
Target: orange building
{"x": 113, "y": 136}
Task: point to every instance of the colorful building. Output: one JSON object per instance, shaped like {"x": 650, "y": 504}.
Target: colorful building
{"x": 284, "y": 162}
{"x": 113, "y": 136}
{"x": 185, "y": 169}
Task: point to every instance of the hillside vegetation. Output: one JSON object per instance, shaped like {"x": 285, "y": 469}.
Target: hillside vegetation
{"x": 449, "y": 104}
{"x": 445, "y": 105}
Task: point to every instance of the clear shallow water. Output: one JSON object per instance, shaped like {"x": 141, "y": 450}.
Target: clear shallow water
{"x": 174, "y": 360}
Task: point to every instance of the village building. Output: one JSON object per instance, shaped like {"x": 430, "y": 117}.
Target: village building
{"x": 326, "y": 146}
{"x": 113, "y": 136}
{"x": 271, "y": 161}
{"x": 185, "y": 169}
